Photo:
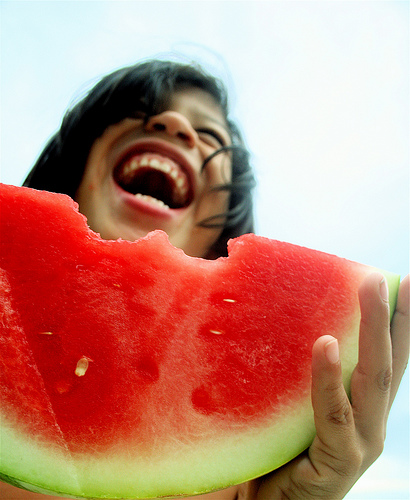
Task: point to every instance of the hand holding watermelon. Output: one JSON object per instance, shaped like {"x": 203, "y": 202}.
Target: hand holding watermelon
{"x": 350, "y": 436}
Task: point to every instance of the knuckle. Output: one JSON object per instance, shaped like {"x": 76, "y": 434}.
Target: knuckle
{"x": 355, "y": 462}
{"x": 376, "y": 448}
{"x": 384, "y": 379}
{"x": 339, "y": 412}
{"x": 372, "y": 446}
{"x": 314, "y": 489}
{"x": 349, "y": 465}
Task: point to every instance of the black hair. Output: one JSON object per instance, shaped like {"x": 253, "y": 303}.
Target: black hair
{"x": 143, "y": 88}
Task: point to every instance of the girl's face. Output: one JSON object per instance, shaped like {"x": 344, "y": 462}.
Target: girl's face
{"x": 140, "y": 177}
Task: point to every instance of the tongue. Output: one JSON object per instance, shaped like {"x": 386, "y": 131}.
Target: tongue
{"x": 154, "y": 183}
{"x": 157, "y": 185}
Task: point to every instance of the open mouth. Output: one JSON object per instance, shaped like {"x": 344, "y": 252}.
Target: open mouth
{"x": 155, "y": 178}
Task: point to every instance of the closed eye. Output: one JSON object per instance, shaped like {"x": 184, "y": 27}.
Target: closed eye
{"x": 211, "y": 137}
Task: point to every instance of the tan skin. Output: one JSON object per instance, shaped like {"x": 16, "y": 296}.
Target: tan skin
{"x": 350, "y": 435}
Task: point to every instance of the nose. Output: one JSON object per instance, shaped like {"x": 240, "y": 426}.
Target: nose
{"x": 174, "y": 124}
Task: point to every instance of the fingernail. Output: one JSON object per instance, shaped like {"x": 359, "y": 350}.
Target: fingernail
{"x": 384, "y": 290}
{"x": 332, "y": 351}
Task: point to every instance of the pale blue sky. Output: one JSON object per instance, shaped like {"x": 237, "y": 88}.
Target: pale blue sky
{"x": 321, "y": 90}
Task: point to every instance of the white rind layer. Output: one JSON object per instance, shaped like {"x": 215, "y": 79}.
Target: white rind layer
{"x": 40, "y": 468}
{"x": 207, "y": 466}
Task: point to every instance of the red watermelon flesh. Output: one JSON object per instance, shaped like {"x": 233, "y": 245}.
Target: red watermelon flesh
{"x": 130, "y": 370}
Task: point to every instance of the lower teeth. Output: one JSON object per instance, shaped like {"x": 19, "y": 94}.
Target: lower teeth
{"x": 150, "y": 199}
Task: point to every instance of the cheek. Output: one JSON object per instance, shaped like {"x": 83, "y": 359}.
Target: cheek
{"x": 90, "y": 187}
{"x": 87, "y": 197}
{"x": 221, "y": 174}
{"x": 222, "y": 170}
{"x": 218, "y": 172}
{"x": 85, "y": 190}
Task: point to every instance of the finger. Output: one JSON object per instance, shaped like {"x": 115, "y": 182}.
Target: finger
{"x": 400, "y": 336}
{"x": 371, "y": 380}
{"x": 334, "y": 445}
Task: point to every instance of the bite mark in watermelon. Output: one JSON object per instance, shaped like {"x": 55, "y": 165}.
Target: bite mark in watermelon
{"x": 130, "y": 370}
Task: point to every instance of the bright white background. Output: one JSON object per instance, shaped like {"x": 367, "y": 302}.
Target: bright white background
{"x": 321, "y": 90}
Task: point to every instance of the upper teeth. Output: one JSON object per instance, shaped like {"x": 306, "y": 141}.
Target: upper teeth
{"x": 169, "y": 168}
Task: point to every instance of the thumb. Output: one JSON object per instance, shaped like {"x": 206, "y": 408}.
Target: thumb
{"x": 334, "y": 448}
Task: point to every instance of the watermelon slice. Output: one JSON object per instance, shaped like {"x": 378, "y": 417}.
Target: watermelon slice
{"x": 130, "y": 370}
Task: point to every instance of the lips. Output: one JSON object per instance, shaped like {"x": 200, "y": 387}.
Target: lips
{"x": 155, "y": 176}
